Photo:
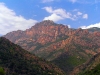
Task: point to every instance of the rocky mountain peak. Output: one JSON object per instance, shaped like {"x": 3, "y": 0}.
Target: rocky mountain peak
{"x": 49, "y": 40}
{"x": 46, "y": 22}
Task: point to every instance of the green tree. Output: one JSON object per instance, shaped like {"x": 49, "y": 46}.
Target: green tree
{"x": 2, "y": 72}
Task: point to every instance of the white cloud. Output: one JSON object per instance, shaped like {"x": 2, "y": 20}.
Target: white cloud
{"x": 45, "y": 1}
{"x": 53, "y": 17}
{"x": 85, "y": 1}
{"x": 79, "y": 13}
{"x": 63, "y": 13}
{"x": 58, "y": 14}
{"x": 69, "y": 26}
{"x": 85, "y": 16}
{"x": 75, "y": 9}
{"x": 9, "y": 21}
{"x": 90, "y": 26}
{"x": 73, "y": 1}
{"x": 48, "y": 9}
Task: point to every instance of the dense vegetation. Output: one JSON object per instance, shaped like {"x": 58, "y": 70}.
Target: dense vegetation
{"x": 91, "y": 67}
{"x": 94, "y": 71}
{"x": 2, "y": 72}
{"x": 16, "y": 61}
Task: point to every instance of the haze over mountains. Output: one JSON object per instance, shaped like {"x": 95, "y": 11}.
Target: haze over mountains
{"x": 63, "y": 46}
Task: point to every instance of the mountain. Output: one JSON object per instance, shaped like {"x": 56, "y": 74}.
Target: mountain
{"x": 94, "y": 29}
{"x": 40, "y": 34}
{"x": 91, "y": 67}
{"x": 65, "y": 47}
{"x": 16, "y": 61}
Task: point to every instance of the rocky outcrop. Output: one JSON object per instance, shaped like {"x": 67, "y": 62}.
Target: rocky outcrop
{"x": 53, "y": 41}
{"x": 42, "y": 33}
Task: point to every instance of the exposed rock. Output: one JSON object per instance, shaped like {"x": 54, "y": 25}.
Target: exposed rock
{"x": 51, "y": 41}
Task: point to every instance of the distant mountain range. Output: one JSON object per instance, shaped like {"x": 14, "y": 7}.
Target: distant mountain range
{"x": 65, "y": 47}
{"x": 16, "y": 61}
{"x": 94, "y": 29}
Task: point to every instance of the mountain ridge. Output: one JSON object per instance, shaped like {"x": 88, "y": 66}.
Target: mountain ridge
{"x": 56, "y": 42}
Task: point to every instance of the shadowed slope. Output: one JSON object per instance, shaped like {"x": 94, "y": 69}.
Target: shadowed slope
{"x": 17, "y": 61}
{"x": 91, "y": 67}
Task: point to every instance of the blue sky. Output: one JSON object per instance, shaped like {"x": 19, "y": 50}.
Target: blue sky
{"x": 22, "y": 14}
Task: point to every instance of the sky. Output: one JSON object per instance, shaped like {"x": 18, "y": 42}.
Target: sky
{"x": 22, "y": 14}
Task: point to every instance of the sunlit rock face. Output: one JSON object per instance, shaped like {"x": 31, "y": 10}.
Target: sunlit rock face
{"x": 58, "y": 43}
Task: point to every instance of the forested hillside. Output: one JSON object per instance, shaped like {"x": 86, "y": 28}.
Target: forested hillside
{"x": 16, "y": 61}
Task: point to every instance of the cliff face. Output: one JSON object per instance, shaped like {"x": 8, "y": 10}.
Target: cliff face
{"x": 42, "y": 33}
{"x": 57, "y": 43}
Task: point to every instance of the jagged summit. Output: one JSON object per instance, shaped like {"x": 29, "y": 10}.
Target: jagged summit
{"x": 93, "y": 29}
{"x": 43, "y": 32}
{"x": 46, "y": 22}
{"x": 50, "y": 21}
